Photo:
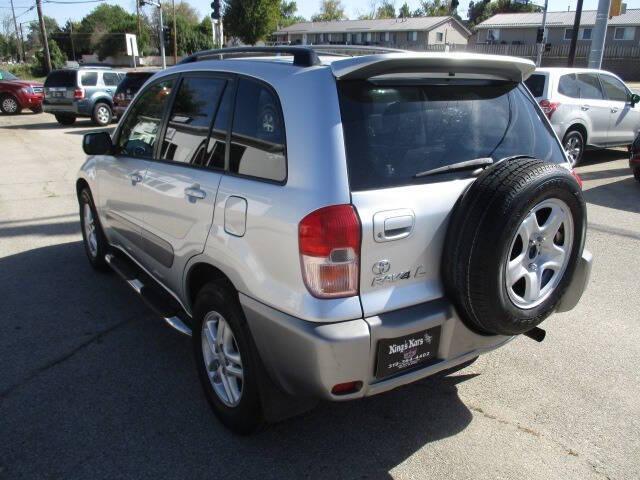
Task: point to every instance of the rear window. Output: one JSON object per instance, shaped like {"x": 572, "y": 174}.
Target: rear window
{"x": 393, "y": 132}
{"x": 61, "y": 78}
{"x": 132, "y": 83}
{"x": 535, "y": 83}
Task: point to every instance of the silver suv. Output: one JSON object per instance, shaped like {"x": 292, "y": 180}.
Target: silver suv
{"x": 333, "y": 227}
{"x": 587, "y": 108}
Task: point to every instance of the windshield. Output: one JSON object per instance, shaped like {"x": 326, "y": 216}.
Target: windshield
{"x": 393, "y": 132}
{"x": 4, "y": 75}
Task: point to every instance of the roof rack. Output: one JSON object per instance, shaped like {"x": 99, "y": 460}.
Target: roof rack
{"x": 302, "y": 56}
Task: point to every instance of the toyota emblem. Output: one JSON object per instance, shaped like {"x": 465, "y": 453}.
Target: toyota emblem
{"x": 381, "y": 267}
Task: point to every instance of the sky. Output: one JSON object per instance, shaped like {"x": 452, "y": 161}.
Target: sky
{"x": 306, "y": 8}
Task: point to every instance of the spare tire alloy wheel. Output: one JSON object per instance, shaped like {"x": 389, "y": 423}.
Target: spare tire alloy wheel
{"x": 513, "y": 244}
{"x": 539, "y": 253}
{"x": 222, "y": 359}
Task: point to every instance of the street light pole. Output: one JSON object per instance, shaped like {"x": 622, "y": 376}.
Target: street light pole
{"x": 574, "y": 35}
{"x": 158, "y": 5}
{"x": 544, "y": 34}
{"x": 175, "y": 36}
{"x": 599, "y": 34}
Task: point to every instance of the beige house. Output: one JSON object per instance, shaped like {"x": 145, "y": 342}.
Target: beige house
{"x": 522, "y": 28}
{"x": 410, "y": 33}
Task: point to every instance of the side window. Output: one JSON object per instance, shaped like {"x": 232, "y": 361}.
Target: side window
{"x": 110, "y": 79}
{"x": 195, "y": 104}
{"x": 217, "y": 142}
{"x": 614, "y": 88}
{"x": 258, "y": 138}
{"x": 140, "y": 128}
{"x": 89, "y": 79}
{"x": 589, "y": 86}
{"x": 568, "y": 85}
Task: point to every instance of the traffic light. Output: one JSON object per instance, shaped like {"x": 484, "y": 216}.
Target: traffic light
{"x": 540, "y": 35}
{"x": 616, "y": 8}
{"x": 215, "y": 7}
{"x": 166, "y": 35}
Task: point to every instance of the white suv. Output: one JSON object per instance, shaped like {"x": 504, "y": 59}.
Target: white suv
{"x": 587, "y": 108}
{"x": 331, "y": 227}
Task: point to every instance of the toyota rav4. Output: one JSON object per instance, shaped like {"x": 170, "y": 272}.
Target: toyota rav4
{"x": 333, "y": 227}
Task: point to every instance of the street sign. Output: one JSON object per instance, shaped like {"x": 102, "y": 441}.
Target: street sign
{"x": 132, "y": 44}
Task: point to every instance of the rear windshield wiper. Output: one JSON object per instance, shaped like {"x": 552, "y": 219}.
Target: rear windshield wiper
{"x": 468, "y": 164}
{"x": 455, "y": 167}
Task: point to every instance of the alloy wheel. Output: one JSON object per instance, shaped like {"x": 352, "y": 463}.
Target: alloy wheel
{"x": 10, "y": 105}
{"x": 91, "y": 237}
{"x": 102, "y": 114}
{"x": 222, "y": 359}
{"x": 539, "y": 253}
{"x": 573, "y": 147}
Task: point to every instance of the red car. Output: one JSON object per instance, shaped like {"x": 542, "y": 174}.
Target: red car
{"x": 16, "y": 94}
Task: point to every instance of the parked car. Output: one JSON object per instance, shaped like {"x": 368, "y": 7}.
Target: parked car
{"x": 587, "y": 108}
{"x": 16, "y": 94}
{"x": 337, "y": 245}
{"x": 127, "y": 89}
{"x": 634, "y": 158}
{"x": 81, "y": 92}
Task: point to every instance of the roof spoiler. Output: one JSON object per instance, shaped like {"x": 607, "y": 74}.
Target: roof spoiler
{"x": 507, "y": 68}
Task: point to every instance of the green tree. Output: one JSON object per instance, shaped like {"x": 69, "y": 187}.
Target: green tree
{"x": 102, "y": 31}
{"x": 480, "y": 10}
{"x": 251, "y": 20}
{"x": 33, "y": 41}
{"x": 387, "y": 9}
{"x": 329, "y": 10}
{"x": 288, "y": 15}
{"x": 58, "y": 59}
{"x": 432, "y": 8}
{"x": 405, "y": 11}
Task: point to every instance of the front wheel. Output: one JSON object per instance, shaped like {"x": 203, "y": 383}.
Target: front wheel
{"x": 574, "y": 146}
{"x": 9, "y": 105}
{"x": 95, "y": 243}
{"x": 102, "y": 114}
{"x": 226, "y": 358}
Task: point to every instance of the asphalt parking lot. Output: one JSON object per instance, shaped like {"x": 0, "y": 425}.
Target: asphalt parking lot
{"x": 93, "y": 385}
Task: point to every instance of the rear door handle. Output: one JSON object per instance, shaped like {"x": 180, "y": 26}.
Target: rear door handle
{"x": 614, "y": 110}
{"x": 135, "y": 178}
{"x": 194, "y": 193}
{"x": 584, "y": 108}
{"x": 393, "y": 225}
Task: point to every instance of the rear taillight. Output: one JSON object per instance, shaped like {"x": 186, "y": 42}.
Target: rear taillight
{"x": 577, "y": 177}
{"x": 548, "y": 107}
{"x": 329, "y": 243}
{"x": 78, "y": 93}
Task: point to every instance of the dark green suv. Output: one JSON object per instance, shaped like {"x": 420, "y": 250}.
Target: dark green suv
{"x": 81, "y": 92}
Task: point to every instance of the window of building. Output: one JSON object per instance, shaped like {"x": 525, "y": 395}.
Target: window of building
{"x": 493, "y": 35}
{"x": 614, "y": 88}
{"x": 439, "y": 37}
{"x": 359, "y": 38}
{"x": 568, "y": 33}
{"x": 140, "y": 128}
{"x": 185, "y": 139}
{"x": 624, "y": 33}
{"x": 585, "y": 33}
{"x": 111, "y": 79}
{"x": 412, "y": 36}
{"x": 89, "y": 79}
{"x": 257, "y": 138}
{"x": 386, "y": 36}
{"x": 368, "y": 36}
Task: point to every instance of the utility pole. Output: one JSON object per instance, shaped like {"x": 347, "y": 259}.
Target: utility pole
{"x": 73, "y": 50}
{"x": 138, "y": 15}
{"x": 43, "y": 33}
{"x": 24, "y": 54}
{"x": 175, "y": 34}
{"x": 19, "y": 44}
{"x": 574, "y": 35}
{"x": 599, "y": 34}
{"x": 543, "y": 40}
{"x": 158, "y": 5}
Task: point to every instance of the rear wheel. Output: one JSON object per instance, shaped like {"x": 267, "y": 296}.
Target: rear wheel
{"x": 574, "y": 146}
{"x": 65, "y": 119}
{"x": 226, "y": 358}
{"x": 37, "y": 109}
{"x": 9, "y": 105}
{"x": 102, "y": 114}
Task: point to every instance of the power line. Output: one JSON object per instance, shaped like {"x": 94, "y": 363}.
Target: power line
{"x": 73, "y": 3}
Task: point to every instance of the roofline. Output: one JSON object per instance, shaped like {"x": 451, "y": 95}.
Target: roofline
{"x": 512, "y": 25}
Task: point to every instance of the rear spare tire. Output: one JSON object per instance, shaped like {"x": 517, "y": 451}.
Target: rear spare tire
{"x": 513, "y": 244}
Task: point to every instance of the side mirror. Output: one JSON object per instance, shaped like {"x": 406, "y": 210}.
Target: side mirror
{"x": 98, "y": 143}
{"x": 635, "y": 99}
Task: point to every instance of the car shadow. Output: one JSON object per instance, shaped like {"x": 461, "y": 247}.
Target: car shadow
{"x": 53, "y": 125}
{"x": 594, "y": 157}
{"x": 622, "y": 195}
{"x": 94, "y": 385}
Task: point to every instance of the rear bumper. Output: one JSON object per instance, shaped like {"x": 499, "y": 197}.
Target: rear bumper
{"x": 308, "y": 358}
{"x": 78, "y": 108}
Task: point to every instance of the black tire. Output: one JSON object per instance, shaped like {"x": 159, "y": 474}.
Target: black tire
{"x": 482, "y": 236}
{"x": 102, "y": 114}
{"x": 65, "y": 119}
{"x": 247, "y": 416}
{"x": 9, "y": 105}
{"x": 96, "y": 257}
{"x": 636, "y": 173}
{"x": 574, "y": 139}
{"x": 37, "y": 109}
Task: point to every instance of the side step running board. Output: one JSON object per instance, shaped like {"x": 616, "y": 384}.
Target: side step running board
{"x": 159, "y": 301}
